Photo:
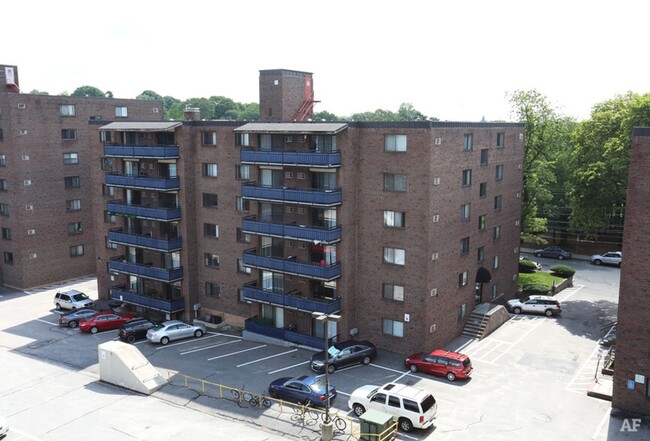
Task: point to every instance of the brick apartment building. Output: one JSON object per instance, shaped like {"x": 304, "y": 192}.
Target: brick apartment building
{"x": 45, "y": 180}
{"x": 631, "y": 390}
{"x": 262, "y": 224}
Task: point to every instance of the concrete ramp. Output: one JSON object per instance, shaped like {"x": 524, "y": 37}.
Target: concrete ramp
{"x": 124, "y": 365}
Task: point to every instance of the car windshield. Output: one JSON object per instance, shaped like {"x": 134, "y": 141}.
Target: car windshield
{"x": 318, "y": 385}
{"x": 428, "y": 403}
{"x": 372, "y": 392}
{"x": 333, "y": 351}
{"x": 79, "y": 297}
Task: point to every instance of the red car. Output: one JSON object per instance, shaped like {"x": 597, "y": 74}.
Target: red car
{"x": 440, "y": 362}
{"x": 104, "y": 321}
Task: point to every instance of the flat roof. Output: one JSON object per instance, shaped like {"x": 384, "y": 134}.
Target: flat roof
{"x": 297, "y": 127}
{"x": 156, "y": 126}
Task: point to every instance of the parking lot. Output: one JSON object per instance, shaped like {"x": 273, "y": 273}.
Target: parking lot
{"x": 530, "y": 377}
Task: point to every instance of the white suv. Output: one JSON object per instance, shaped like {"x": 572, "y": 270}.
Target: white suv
{"x": 72, "y": 299}
{"x": 411, "y": 406}
{"x": 535, "y": 304}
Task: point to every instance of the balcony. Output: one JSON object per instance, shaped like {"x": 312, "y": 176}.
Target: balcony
{"x": 251, "y": 225}
{"x": 305, "y": 196}
{"x": 300, "y": 159}
{"x": 120, "y": 265}
{"x": 161, "y": 214}
{"x": 118, "y": 235}
{"x": 133, "y": 298}
{"x": 258, "y": 326}
{"x": 144, "y": 182}
{"x": 291, "y": 266}
{"x": 144, "y": 152}
{"x": 291, "y": 301}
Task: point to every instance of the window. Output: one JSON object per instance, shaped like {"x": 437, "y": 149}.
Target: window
{"x": 495, "y": 292}
{"x": 8, "y": 258}
{"x": 463, "y": 278}
{"x": 395, "y": 256}
{"x": 243, "y": 204}
{"x": 209, "y": 170}
{"x": 107, "y": 190}
{"x": 242, "y": 139}
{"x": 462, "y": 309}
{"x": 71, "y": 158}
{"x": 4, "y": 209}
{"x": 242, "y": 172}
{"x": 72, "y": 182}
{"x": 243, "y": 268}
{"x": 240, "y": 296}
{"x": 496, "y": 232}
{"x": 67, "y": 110}
{"x": 73, "y": 204}
{"x": 6, "y": 233}
{"x": 480, "y": 253}
{"x": 482, "y": 221}
{"x": 394, "y": 182}
{"x": 107, "y": 163}
{"x": 211, "y": 230}
{"x": 211, "y": 260}
{"x": 3, "y": 185}
{"x": 243, "y": 237}
{"x": 3, "y": 160}
{"x": 464, "y": 212}
{"x": 1, "y": 136}
{"x": 498, "y": 173}
{"x": 105, "y": 136}
{"x": 209, "y": 138}
{"x": 393, "y": 327}
{"x": 110, "y": 245}
{"x": 467, "y": 177}
{"x": 497, "y": 202}
{"x": 495, "y": 262}
{"x": 76, "y": 250}
{"x": 393, "y": 401}
{"x": 212, "y": 289}
{"x": 210, "y": 200}
{"x": 484, "y": 156}
{"x": 395, "y": 143}
{"x": 467, "y": 142}
{"x": 396, "y": 219}
{"x": 393, "y": 292}
{"x": 110, "y": 218}
{"x": 464, "y": 245}
{"x": 482, "y": 190}
{"x": 68, "y": 134}
{"x": 121, "y": 112}
{"x": 325, "y": 143}
{"x": 75, "y": 228}
{"x": 501, "y": 139}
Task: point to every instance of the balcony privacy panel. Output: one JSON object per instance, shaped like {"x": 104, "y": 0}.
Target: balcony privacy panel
{"x": 145, "y": 152}
{"x": 169, "y": 306}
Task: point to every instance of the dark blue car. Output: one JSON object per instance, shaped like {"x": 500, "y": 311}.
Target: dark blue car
{"x": 306, "y": 389}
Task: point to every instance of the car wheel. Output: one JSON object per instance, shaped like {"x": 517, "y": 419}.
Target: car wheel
{"x": 561, "y": 257}
{"x": 597, "y": 262}
{"x": 451, "y": 376}
{"x": 198, "y": 333}
{"x": 358, "y": 409}
{"x": 405, "y": 424}
{"x": 517, "y": 310}
{"x": 366, "y": 360}
{"x": 164, "y": 340}
{"x": 73, "y": 323}
{"x": 58, "y": 307}
{"x": 94, "y": 330}
{"x": 549, "y": 313}
{"x": 538, "y": 254}
{"x": 413, "y": 368}
{"x": 331, "y": 368}
{"x": 130, "y": 338}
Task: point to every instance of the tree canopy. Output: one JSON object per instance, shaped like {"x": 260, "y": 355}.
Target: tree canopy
{"x": 90, "y": 91}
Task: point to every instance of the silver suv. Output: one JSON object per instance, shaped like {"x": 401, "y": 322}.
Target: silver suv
{"x": 72, "y": 299}
{"x": 535, "y": 304}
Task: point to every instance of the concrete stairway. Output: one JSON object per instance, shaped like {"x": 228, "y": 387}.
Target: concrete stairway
{"x": 476, "y": 323}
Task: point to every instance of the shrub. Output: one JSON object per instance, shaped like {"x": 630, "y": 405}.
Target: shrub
{"x": 527, "y": 266}
{"x": 563, "y": 271}
{"x": 536, "y": 289}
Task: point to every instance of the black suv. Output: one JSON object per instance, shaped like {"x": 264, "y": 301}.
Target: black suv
{"x": 135, "y": 329}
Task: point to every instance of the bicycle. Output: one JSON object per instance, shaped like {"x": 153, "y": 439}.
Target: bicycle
{"x": 241, "y": 395}
{"x": 260, "y": 400}
{"x": 305, "y": 413}
{"x": 336, "y": 420}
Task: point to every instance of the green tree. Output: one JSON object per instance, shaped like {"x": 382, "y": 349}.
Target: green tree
{"x": 88, "y": 91}
{"x": 325, "y": 116}
{"x": 38, "y": 92}
{"x": 149, "y": 95}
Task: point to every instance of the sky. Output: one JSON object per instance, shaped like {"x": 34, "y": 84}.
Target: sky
{"x": 452, "y": 60}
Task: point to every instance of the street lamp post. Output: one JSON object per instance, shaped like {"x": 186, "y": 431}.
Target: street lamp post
{"x": 327, "y": 432}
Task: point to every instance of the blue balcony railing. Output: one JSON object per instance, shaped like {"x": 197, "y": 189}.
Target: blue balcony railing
{"x": 292, "y": 266}
{"x": 133, "y": 298}
{"x": 161, "y": 214}
{"x": 251, "y": 225}
{"x": 145, "y": 152}
{"x": 307, "y": 196}
{"x": 291, "y": 301}
{"x": 303, "y": 159}
{"x": 254, "y": 325}
{"x": 120, "y": 265}
{"x": 144, "y": 241}
{"x": 144, "y": 182}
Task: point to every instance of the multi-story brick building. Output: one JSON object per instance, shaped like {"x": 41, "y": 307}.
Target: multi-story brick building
{"x": 631, "y": 387}
{"x": 263, "y": 224}
{"x": 45, "y": 180}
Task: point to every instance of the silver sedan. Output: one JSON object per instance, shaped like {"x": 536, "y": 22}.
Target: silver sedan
{"x": 174, "y": 330}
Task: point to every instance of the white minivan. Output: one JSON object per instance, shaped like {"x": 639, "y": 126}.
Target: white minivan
{"x": 411, "y": 406}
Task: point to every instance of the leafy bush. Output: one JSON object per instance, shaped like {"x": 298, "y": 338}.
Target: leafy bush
{"x": 563, "y": 271}
{"x": 536, "y": 289}
{"x": 527, "y": 266}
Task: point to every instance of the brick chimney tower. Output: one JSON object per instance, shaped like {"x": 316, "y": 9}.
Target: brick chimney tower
{"x": 286, "y": 95}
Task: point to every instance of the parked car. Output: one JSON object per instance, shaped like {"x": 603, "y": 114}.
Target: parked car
{"x": 72, "y": 299}
{"x": 538, "y": 266}
{"x": 344, "y": 354}
{"x": 411, "y": 406}
{"x": 174, "y": 330}
{"x": 535, "y": 304}
{"x": 4, "y": 427}
{"x": 609, "y": 258}
{"x": 135, "y": 329}
{"x": 104, "y": 321}
{"x": 554, "y": 253}
{"x": 306, "y": 389}
{"x": 73, "y": 317}
{"x": 442, "y": 363}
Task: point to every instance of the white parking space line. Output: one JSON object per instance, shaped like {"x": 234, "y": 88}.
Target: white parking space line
{"x": 266, "y": 358}
{"x": 289, "y": 367}
{"x": 184, "y": 342}
{"x": 45, "y": 321}
{"x": 238, "y": 352}
{"x": 532, "y": 328}
{"x": 568, "y": 293}
{"x": 225, "y": 335}
{"x": 191, "y": 351}
{"x": 585, "y": 376}
{"x": 347, "y": 368}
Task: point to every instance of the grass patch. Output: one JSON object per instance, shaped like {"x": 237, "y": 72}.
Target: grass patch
{"x": 538, "y": 278}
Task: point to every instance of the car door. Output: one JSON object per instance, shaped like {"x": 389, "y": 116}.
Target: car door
{"x": 184, "y": 330}
{"x": 429, "y": 365}
{"x": 344, "y": 358}
{"x": 378, "y": 402}
{"x": 172, "y": 332}
{"x": 292, "y": 391}
{"x": 530, "y": 306}
{"x": 65, "y": 301}
{"x": 110, "y": 321}
{"x": 440, "y": 366}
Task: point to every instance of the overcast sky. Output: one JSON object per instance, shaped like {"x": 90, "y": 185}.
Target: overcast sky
{"x": 454, "y": 60}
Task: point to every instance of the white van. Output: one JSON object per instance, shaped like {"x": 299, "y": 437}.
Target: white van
{"x": 411, "y": 406}
{"x": 72, "y": 299}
